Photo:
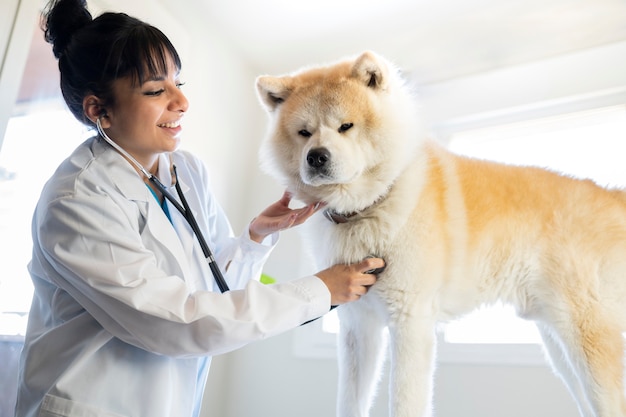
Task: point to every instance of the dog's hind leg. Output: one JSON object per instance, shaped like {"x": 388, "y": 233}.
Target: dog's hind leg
{"x": 595, "y": 347}
{"x": 361, "y": 352}
{"x": 603, "y": 350}
{"x": 562, "y": 365}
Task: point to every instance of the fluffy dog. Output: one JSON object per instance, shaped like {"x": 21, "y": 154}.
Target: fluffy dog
{"x": 455, "y": 232}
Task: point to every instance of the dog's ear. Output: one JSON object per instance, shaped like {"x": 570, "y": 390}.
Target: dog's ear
{"x": 273, "y": 91}
{"x": 371, "y": 70}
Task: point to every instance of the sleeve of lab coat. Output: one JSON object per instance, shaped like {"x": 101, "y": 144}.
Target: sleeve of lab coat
{"x": 98, "y": 259}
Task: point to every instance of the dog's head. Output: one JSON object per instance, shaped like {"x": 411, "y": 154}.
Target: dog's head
{"x": 339, "y": 133}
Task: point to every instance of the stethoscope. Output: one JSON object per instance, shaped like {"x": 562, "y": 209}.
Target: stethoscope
{"x": 183, "y": 209}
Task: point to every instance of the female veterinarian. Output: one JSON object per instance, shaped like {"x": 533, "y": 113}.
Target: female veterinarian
{"x": 124, "y": 316}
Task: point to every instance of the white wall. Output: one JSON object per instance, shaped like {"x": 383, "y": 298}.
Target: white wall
{"x": 224, "y": 123}
{"x": 587, "y": 79}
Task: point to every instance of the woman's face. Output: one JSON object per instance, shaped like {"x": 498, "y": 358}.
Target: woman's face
{"x": 146, "y": 119}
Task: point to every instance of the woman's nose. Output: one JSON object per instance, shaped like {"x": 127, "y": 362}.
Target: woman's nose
{"x": 179, "y": 101}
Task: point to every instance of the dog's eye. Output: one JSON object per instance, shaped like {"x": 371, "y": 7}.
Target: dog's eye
{"x": 304, "y": 133}
{"x": 344, "y": 127}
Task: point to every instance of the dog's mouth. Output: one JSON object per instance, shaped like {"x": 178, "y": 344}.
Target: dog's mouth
{"x": 316, "y": 178}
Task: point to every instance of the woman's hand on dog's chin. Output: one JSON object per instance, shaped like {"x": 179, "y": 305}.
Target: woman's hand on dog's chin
{"x": 279, "y": 216}
{"x": 348, "y": 283}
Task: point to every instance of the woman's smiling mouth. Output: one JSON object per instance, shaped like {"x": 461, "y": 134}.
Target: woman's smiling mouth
{"x": 170, "y": 125}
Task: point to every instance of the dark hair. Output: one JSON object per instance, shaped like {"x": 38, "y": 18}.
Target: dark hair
{"x": 93, "y": 53}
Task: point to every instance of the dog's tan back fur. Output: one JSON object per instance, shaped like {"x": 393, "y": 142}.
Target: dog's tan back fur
{"x": 455, "y": 232}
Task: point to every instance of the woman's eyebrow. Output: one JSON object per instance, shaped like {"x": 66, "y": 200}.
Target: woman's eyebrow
{"x": 161, "y": 77}
{"x": 156, "y": 78}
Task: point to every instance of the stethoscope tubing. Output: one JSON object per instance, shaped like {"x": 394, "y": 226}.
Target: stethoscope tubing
{"x": 184, "y": 209}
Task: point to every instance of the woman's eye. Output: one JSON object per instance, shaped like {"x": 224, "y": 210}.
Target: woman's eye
{"x": 345, "y": 126}
{"x": 154, "y": 92}
{"x": 304, "y": 133}
{"x": 180, "y": 84}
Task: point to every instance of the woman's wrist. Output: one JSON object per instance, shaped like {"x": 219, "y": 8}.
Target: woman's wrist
{"x": 256, "y": 237}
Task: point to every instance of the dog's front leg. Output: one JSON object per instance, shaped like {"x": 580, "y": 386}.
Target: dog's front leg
{"x": 361, "y": 351}
{"x": 413, "y": 344}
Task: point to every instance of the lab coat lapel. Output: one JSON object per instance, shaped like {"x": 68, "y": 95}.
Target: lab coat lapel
{"x": 181, "y": 226}
{"x": 157, "y": 222}
{"x": 189, "y": 243}
{"x": 161, "y": 229}
{"x": 187, "y": 237}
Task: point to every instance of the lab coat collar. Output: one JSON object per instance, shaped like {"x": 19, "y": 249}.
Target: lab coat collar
{"x": 122, "y": 172}
{"x": 131, "y": 186}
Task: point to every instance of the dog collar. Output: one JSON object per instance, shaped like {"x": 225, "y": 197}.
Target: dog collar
{"x": 339, "y": 218}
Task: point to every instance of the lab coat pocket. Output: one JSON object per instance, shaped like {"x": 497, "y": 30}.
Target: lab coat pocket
{"x": 53, "y": 406}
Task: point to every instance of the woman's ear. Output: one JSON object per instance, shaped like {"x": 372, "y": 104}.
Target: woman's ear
{"x": 94, "y": 110}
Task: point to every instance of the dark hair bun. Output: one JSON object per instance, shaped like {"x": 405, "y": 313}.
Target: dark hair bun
{"x": 61, "y": 20}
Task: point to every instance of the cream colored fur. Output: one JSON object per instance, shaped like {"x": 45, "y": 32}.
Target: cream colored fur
{"x": 455, "y": 232}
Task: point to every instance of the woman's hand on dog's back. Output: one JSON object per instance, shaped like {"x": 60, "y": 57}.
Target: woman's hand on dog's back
{"x": 348, "y": 283}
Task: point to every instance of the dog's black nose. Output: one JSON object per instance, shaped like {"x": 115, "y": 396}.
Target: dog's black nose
{"x": 318, "y": 157}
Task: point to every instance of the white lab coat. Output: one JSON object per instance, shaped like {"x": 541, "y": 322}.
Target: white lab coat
{"x": 124, "y": 315}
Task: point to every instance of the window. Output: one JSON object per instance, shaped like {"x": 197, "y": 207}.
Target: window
{"x": 40, "y": 133}
{"x": 34, "y": 145}
{"x": 585, "y": 144}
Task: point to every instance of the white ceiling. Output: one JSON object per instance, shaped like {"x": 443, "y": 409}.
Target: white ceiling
{"x": 434, "y": 39}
